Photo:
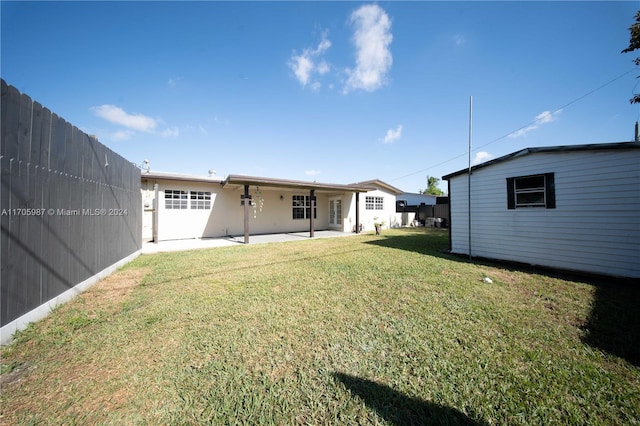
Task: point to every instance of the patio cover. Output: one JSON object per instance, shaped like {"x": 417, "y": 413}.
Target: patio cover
{"x": 312, "y": 187}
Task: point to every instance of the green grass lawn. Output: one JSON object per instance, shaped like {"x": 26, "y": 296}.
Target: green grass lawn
{"x": 359, "y": 330}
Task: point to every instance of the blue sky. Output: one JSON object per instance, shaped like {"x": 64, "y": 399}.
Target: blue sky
{"x": 336, "y": 92}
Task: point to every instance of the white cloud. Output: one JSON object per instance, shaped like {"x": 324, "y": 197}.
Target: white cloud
{"x": 122, "y": 135}
{"x": 170, "y": 132}
{"x": 542, "y": 118}
{"x": 459, "y": 39}
{"x": 304, "y": 65}
{"x": 324, "y": 45}
{"x": 117, "y": 115}
{"x": 547, "y": 116}
{"x": 312, "y": 172}
{"x": 372, "y": 38}
{"x": 481, "y": 157}
{"x": 393, "y": 134}
{"x": 323, "y": 68}
{"x": 522, "y": 131}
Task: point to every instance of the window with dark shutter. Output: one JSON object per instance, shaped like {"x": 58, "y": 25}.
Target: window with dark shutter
{"x": 531, "y": 191}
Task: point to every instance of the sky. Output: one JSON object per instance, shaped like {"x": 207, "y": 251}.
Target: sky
{"x": 334, "y": 92}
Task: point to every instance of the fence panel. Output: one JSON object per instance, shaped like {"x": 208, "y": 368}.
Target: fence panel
{"x": 10, "y": 127}
{"x": 24, "y": 129}
{"x": 4, "y": 223}
{"x": 49, "y": 164}
{"x": 441, "y": 210}
{"x": 4, "y": 97}
{"x": 45, "y": 138}
{"x": 36, "y": 130}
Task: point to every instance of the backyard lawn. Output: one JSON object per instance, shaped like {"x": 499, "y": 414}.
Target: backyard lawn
{"x": 359, "y": 330}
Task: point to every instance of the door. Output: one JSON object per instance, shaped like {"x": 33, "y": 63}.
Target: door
{"x": 335, "y": 212}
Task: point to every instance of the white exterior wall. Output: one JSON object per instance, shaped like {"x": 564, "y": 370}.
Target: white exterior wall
{"x": 175, "y": 224}
{"x": 369, "y": 217}
{"x": 595, "y": 226}
{"x": 226, "y": 216}
{"x": 276, "y": 215}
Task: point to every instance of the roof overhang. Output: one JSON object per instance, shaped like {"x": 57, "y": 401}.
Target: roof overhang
{"x": 242, "y": 180}
{"x": 180, "y": 177}
{"x": 377, "y": 183}
{"x": 561, "y": 148}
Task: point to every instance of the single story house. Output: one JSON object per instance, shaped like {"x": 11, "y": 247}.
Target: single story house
{"x": 179, "y": 206}
{"x": 567, "y": 207}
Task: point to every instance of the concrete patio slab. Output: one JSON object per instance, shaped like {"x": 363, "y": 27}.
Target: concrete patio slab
{"x": 204, "y": 243}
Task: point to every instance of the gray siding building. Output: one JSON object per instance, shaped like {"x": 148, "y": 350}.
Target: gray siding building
{"x": 568, "y": 207}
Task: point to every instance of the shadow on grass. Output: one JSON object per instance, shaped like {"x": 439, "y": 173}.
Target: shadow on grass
{"x": 614, "y": 322}
{"x": 399, "y": 409}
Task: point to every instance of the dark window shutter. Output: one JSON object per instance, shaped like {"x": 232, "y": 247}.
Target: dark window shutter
{"x": 550, "y": 190}
{"x": 511, "y": 193}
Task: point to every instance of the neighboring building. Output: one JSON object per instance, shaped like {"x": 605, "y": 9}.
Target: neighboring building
{"x": 181, "y": 206}
{"x": 568, "y": 207}
{"x": 412, "y": 199}
{"x": 418, "y": 209}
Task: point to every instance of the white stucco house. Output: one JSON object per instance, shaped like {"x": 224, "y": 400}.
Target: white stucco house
{"x": 180, "y": 206}
{"x": 568, "y": 207}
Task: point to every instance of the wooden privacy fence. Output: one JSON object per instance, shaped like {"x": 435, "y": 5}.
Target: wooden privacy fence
{"x": 71, "y": 207}
{"x": 426, "y": 212}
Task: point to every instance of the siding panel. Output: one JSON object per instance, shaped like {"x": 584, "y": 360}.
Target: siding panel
{"x": 595, "y": 226}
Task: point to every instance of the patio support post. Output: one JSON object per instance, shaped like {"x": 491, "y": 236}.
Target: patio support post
{"x": 154, "y": 218}
{"x": 357, "y": 212}
{"x": 312, "y": 204}
{"x": 246, "y": 198}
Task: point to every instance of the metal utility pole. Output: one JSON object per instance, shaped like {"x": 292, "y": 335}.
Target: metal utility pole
{"x": 469, "y": 171}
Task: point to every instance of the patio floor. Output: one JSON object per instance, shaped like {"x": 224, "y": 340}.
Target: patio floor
{"x": 203, "y": 243}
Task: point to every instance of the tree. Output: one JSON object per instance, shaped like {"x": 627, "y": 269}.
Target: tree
{"x": 634, "y": 43}
{"x": 432, "y": 186}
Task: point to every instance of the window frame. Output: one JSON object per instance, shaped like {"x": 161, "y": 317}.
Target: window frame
{"x": 373, "y": 202}
{"x": 200, "y": 200}
{"x": 301, "y": 207}
{"x": 519, "y": 188}
{"x": 176, "y": 199}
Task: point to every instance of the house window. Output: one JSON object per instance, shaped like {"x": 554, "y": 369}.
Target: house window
{"x": 373, "y": 203}
{"x": 302, "y": 207}
{"x": 531, "y": 191}
{"x": 175, "y": 199}
{"x": 200, "y": 200}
